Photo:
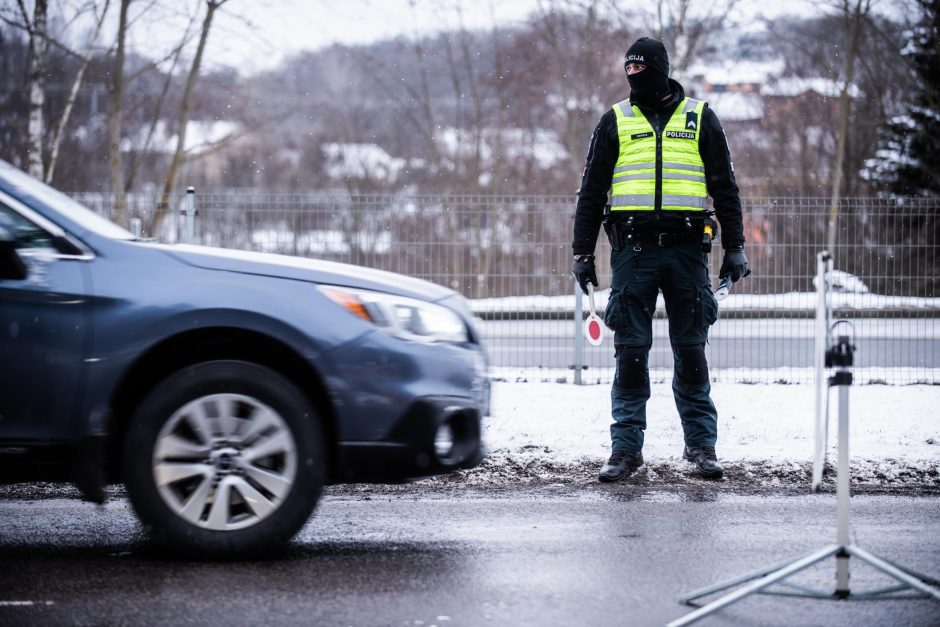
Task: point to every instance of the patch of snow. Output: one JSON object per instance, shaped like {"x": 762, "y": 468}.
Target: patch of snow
{"x": 792, "y": 86}
{"x": 584, "y": 104}
{"x": 735, "y": 72}
{"x": 785, "y": 375}
{"x": 844, "y": 282}
{"x": 361, "y": 161}
{"x": 200, "y": 134}
{"x": 735, "y": 106}
{"x": 738, "y": 328}
{"x": 789, "y": 301}
{"x": 764, "y": 431}
{"x": 538, "y": 145}
{"x": 310, "y": 243}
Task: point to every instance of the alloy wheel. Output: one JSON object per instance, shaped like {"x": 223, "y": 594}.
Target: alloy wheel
{"x": 224, "y": 461}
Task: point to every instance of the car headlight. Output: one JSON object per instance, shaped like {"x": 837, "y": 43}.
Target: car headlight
{"x": 407, "y": 318}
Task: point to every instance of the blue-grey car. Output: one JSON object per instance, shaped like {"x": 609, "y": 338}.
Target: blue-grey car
{"x": 223, "y": 388}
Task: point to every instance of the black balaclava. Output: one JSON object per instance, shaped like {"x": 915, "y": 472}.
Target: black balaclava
{"x": 650, "y": 86}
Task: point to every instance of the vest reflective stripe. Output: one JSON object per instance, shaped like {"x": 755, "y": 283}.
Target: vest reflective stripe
{"x": 633, "y": 199}
{"x": 626, "y": 108}
{"x": 682, "y": 177}
{"x": 681, "y": 166}
{"x": 681, "y": 185}
{"x": 644, "y": 202}
{"x": 697, "y": 202}
{"x": 636, "y": 166}
{"x": 635, "y": 177}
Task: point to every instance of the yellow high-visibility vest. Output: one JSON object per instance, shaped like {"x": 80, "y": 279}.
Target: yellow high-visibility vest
{"x": 668, "y": 163}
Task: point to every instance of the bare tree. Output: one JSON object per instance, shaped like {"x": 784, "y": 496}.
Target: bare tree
{"x": 691, "y": 26}
{"x": 63, "y": 120}
{"x": 117, "y": 88}
{"x": 174, "y": 57}
{"x": 38, "y": 44}
{"x": 854, "y": 15}
{"x": 424, "y": 95}
{"x": 40, "y": 162}
{"x": 186, "y": 103}
{"x": 464, "y": 78}
{"x": 584, "y": 52}
{"x": 685, "y": 26}
{"x": 115, "y": 117}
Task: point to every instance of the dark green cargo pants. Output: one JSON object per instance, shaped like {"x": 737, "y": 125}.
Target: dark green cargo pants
{"x": 681, "y": 273}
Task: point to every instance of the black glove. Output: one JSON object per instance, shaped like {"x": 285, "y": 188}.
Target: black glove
{"x": 734, "y": 264}
{"x": 583, "y": 271}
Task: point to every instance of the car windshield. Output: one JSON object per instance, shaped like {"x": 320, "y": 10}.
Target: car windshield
{"x": 27, "y": 186}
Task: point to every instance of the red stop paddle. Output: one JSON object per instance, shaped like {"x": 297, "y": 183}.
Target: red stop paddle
{"x": 593, "y": 325}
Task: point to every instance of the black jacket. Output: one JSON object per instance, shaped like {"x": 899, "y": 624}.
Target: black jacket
{"x": 604, "y": 150}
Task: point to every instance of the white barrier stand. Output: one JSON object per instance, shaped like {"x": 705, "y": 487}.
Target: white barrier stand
{"x": 823, "y": 319}
{"x": 911, "y": 584}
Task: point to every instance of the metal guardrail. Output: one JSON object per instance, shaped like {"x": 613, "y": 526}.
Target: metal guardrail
{"x": 511, "y": 256}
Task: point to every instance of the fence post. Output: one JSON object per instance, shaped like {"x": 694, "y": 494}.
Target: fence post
{"x": 190, "y": 215}
{"x": 578, "y": 335}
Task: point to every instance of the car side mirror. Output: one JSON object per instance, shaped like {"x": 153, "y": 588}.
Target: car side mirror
{"x": 11, "y": 264}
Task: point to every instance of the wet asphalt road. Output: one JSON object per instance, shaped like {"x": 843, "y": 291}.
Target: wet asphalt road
{"x": 548, "y": 555}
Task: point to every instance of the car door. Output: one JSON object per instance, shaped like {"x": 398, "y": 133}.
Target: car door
{"x": 43, "y": 329}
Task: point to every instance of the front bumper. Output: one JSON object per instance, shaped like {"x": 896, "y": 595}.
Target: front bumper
{"x": 414, "y": 447}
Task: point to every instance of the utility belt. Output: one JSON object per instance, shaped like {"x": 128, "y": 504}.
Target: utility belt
{"x": 636, "y": 230}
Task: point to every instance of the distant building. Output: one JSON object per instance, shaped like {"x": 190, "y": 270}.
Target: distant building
{"x": 780, "y": 128}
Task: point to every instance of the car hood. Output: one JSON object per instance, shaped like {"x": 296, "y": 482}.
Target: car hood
{"x": 303, "y": 269}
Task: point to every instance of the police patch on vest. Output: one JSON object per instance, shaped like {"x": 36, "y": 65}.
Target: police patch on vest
{"x": 641, "y": 135}
{"x": 680, "y": 134}
{"x": 691, "y": 120}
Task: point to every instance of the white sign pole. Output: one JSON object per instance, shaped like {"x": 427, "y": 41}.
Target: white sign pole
{"x": 823, "y": 313}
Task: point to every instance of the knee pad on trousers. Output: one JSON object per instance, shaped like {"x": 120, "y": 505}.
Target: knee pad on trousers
{"x": 693, "y": 367}
{"x": 632, "y": 373}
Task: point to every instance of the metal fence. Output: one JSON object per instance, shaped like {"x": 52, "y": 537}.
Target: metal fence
{"x": 511, "y": 255}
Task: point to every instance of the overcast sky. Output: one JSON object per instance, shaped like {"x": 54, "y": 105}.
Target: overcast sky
{"x": 256, "y": 34}
{"x": 253, "y": 35}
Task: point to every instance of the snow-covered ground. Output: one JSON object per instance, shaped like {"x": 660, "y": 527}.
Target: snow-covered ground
{"x": 553, "y": 432}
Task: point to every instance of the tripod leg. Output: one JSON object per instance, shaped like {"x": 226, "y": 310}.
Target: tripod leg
{"x": 843, "y": 489}
{"x": 756, "y": 586}
{"x": 910, "y": 578}
{"x": 730, "y": 583}
{"x": 931, "y": 581}
{"x": 913, "y": 573}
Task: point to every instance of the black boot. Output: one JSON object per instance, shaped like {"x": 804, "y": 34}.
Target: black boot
{"x": 705, "y": 460}
{"x": 621, "y": 464}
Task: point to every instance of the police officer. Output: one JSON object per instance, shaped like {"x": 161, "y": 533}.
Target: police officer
{"x": 659, "y": 154}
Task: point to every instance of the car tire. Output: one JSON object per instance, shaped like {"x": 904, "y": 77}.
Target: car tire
{"x": 224, "y": 459}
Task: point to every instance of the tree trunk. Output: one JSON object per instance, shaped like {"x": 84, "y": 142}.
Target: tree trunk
{"x": 431, "y": 128}
{"x": 854, "y": 18}
{"x": 37, "y": 87}
{"x": 185, "y": 109}
{"x": 115, "y": 115}
{"x": 73, "y": 94}
{"x": 142, "y": 151}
